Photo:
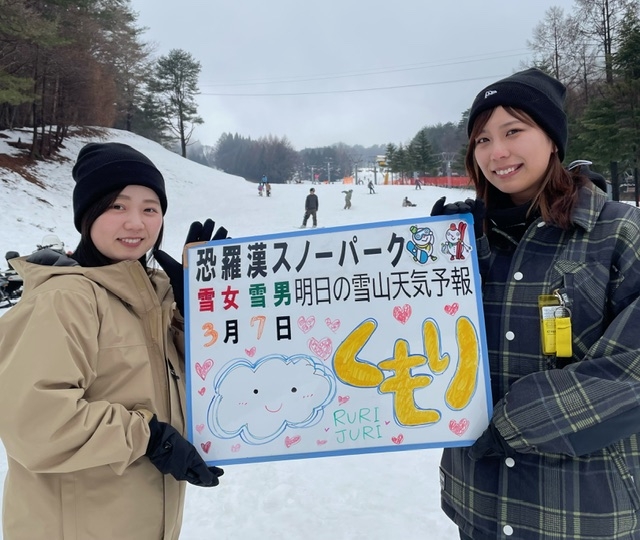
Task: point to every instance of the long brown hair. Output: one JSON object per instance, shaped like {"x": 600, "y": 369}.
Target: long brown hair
{"x": 558, "y": 190}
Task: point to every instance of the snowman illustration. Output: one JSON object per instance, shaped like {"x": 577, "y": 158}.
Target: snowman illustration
{"x": 454, "y": 245}
{"x": 421, "y": 244}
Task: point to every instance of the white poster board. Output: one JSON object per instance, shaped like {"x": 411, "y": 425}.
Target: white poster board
{"x": 321, "y": 342}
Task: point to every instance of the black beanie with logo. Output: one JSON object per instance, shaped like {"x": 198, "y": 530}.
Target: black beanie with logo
{"x": 533, "y": 92}
{"x": 105, "y": 167}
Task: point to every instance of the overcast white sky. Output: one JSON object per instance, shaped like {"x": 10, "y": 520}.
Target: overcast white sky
{"x": 326, "y": 58}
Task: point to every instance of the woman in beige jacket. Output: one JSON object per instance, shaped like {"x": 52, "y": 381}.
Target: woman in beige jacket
{"x": 91, "y": 369}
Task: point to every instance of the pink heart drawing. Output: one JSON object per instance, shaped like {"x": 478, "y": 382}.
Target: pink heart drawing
{"x": 458, "y": 428}
{"x": 250, "y": 352}
{"x": 398, "y": 439}
{"x": 306, "y": 324}
{"x": 290, "y": 441}
{"x": 203, "y": 369}
{"x": 402, "y": 313}
{"x": 342, "y": 400}
{"x": 206, "y": 446}
{"x": 199, "y": 428}
{"x": 202, "y": 391}
{"x": 320, "y": 442}
{"x": 322, "y": 348}
{"x": 333, "y": 325}
{"x": 451, "y": 309}
{"x": 235, "y": 448}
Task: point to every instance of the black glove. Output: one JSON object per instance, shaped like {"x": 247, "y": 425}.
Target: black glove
{"x": 172, "y": 454}
{"x": 470, "y": 206}
{"x": 197, "y": 233}
{"x": 490, "y": 444}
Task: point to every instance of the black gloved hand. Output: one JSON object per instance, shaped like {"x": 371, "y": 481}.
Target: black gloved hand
{"x": 172, "y": 454}
{"x": 197, "y": 233}
{"x": 470, "y": 206}
{"x": 490, "y": 444}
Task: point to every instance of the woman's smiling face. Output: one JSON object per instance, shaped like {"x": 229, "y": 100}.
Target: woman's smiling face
{"x": 513, "y": 155}
{"x": 130, "y": 227}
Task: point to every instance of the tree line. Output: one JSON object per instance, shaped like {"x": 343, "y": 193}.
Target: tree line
{"x": 84, "y": 63}
{"x": 595, "y": 51}
{"x": 276, "y": 158}
{"x": 435, "y": 150}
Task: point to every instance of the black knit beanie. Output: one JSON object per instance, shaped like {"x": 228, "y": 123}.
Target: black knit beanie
{"x": 105, "y": 167}
{"x": 533, "y": 92}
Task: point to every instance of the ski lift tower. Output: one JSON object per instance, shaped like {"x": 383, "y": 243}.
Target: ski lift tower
{"x": 446, "y": 158}
{"x": 381, "y": 161}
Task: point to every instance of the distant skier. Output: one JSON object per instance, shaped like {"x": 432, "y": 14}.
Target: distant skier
{"x": 347, "y": 198}
{"x": 370, "y": 186}
{"x": 407, "y": 202}
{"x": 311, "y": 208}
{"x": 260, "y": 188}
{"x": 267, "y": 188}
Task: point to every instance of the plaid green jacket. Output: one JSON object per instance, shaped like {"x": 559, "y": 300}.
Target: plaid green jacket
{"x": 575, "y": 423}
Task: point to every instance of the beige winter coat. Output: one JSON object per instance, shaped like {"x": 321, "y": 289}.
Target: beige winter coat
{"x": 82, "y": 351}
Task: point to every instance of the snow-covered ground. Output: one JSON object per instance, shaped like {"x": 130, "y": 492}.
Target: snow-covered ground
{"x": 368, "y": 497}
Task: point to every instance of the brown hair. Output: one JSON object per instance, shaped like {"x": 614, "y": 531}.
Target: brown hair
{"x": 558, "y": 191}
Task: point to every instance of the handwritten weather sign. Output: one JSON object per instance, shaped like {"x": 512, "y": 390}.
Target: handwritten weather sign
{"x": 367, "y": 338}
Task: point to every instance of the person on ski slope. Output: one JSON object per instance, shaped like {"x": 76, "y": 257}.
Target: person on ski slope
{"x": 92, "y": 369}
{"x": 370, "y": 186}
{"x": 407, "y": 202}
{"x": 311, "y": 208}
{"x": 560, "y": 269}
{"x": 348, "y": 193}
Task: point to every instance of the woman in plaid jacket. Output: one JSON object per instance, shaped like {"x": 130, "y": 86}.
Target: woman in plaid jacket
{"x": 560, "y": 267}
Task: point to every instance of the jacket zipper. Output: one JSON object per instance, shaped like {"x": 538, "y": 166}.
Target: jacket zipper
{"x": 175, "y": 376}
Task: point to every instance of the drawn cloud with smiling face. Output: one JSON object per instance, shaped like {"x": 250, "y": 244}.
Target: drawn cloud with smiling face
{"x": 259, "y": 401}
